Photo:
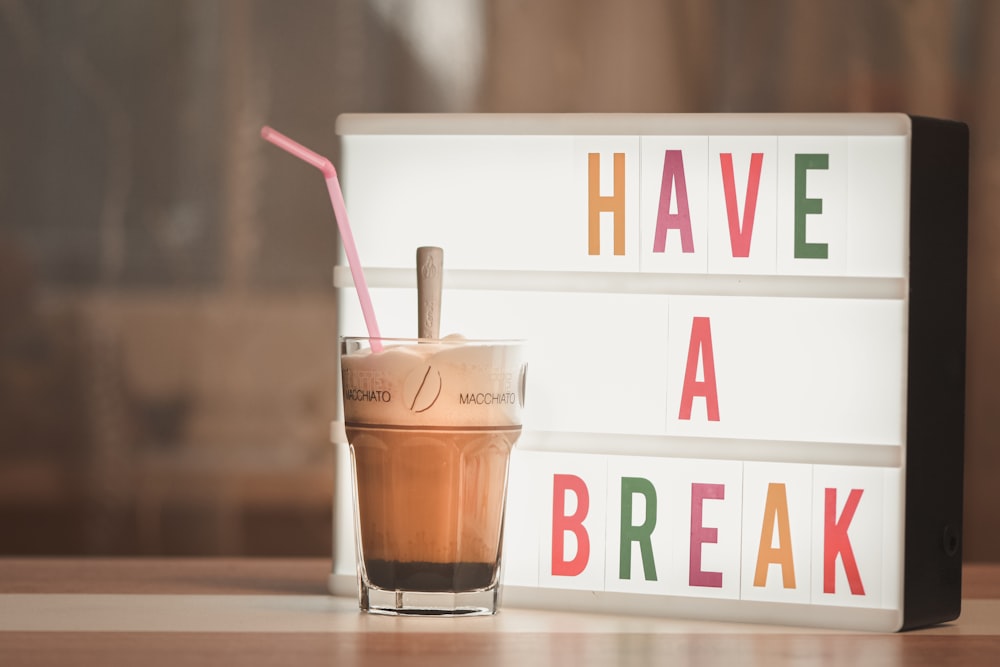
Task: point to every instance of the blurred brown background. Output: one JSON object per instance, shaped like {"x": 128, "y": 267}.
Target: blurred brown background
{"x": 166, "y": 315}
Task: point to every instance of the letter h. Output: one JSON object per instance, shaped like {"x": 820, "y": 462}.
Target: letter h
{"x": 597, "y": 204}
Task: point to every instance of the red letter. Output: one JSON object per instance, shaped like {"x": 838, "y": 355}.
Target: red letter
{"x": 701, "y": 535}
{"x": 673, "y": 172}
{"x": 701, "y": 341}
{"x": 835, "y": 541}
{"x": 596, "y": 204}
{"x": 574, "y": 524}
{"x": 739, "y": 239}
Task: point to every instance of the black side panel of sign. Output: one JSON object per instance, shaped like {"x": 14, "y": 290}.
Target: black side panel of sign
{"x": 935, "y": 421}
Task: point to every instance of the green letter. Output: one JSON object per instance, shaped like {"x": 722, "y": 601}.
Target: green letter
{"x": 804, "y": 206}
{"x": 641, "y": 534}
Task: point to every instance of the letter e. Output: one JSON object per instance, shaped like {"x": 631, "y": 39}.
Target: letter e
{"x": 701, "y": 534}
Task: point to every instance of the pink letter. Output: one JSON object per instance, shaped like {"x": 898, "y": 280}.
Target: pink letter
{"x": 835, "y": 541}
{"x": 701, "y": 341}
{"x": 739, "y": 238}
{"x": 673, "y": 173}
{"x": 700, "y": 534}
{"x": 574, "y": 524}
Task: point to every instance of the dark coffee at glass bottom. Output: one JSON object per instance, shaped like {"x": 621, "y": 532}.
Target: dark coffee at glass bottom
{"x": 431, "y": 577}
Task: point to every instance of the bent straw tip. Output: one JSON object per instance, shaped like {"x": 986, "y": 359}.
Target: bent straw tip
{"x": 296, "y": 149}
{"x": 268, "y": 133}
{"x": 329, "y": 172}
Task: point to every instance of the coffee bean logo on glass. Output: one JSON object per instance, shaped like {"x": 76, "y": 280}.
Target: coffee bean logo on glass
{"x": 421, "y": 388}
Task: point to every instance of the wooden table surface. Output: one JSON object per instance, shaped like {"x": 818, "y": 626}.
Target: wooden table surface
{"x": 277, "y": 612}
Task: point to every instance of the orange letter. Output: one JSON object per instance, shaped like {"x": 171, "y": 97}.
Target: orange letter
{"x": 597, "y": 204}
{"x": 775, "y": 509}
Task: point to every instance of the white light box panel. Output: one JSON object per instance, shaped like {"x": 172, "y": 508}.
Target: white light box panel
{"x": 747, "y": 347}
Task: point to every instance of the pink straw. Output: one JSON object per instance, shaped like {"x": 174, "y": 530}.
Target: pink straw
{"x": 340, "y": 212}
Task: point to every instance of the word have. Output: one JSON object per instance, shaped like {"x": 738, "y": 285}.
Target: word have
{"x": 674, "y": 182}
{"x": 774, "y": 547}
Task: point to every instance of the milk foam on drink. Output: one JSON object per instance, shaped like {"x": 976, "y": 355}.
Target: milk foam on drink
{"x": 452, "y": 382}
{"x": 431, "y": 426}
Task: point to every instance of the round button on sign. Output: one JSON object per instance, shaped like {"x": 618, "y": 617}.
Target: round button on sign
{"x": 422, "y": 388}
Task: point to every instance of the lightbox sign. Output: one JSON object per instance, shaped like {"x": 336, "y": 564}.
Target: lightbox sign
{"x": 746, "y": 379}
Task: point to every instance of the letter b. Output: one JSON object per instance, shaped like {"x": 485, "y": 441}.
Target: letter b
{"x": 561, "y": 524}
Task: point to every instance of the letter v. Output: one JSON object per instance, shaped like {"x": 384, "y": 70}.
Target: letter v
{"x": 739, "y": 235}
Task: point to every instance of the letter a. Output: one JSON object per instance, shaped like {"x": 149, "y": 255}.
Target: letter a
{"x": 673, "y": 175}
{"x": 700, "y": 347}
{"x": 597, "y": 204}
{"x": 561, "y": 524}
{"x": 775, "y": 511}
{"x": 836, "y": 541}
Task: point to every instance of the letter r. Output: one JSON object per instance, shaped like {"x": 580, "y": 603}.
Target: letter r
{"x": 632, "y": 487}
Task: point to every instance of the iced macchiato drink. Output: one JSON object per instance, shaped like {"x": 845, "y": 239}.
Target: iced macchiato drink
{"x": 430, "y": 426}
